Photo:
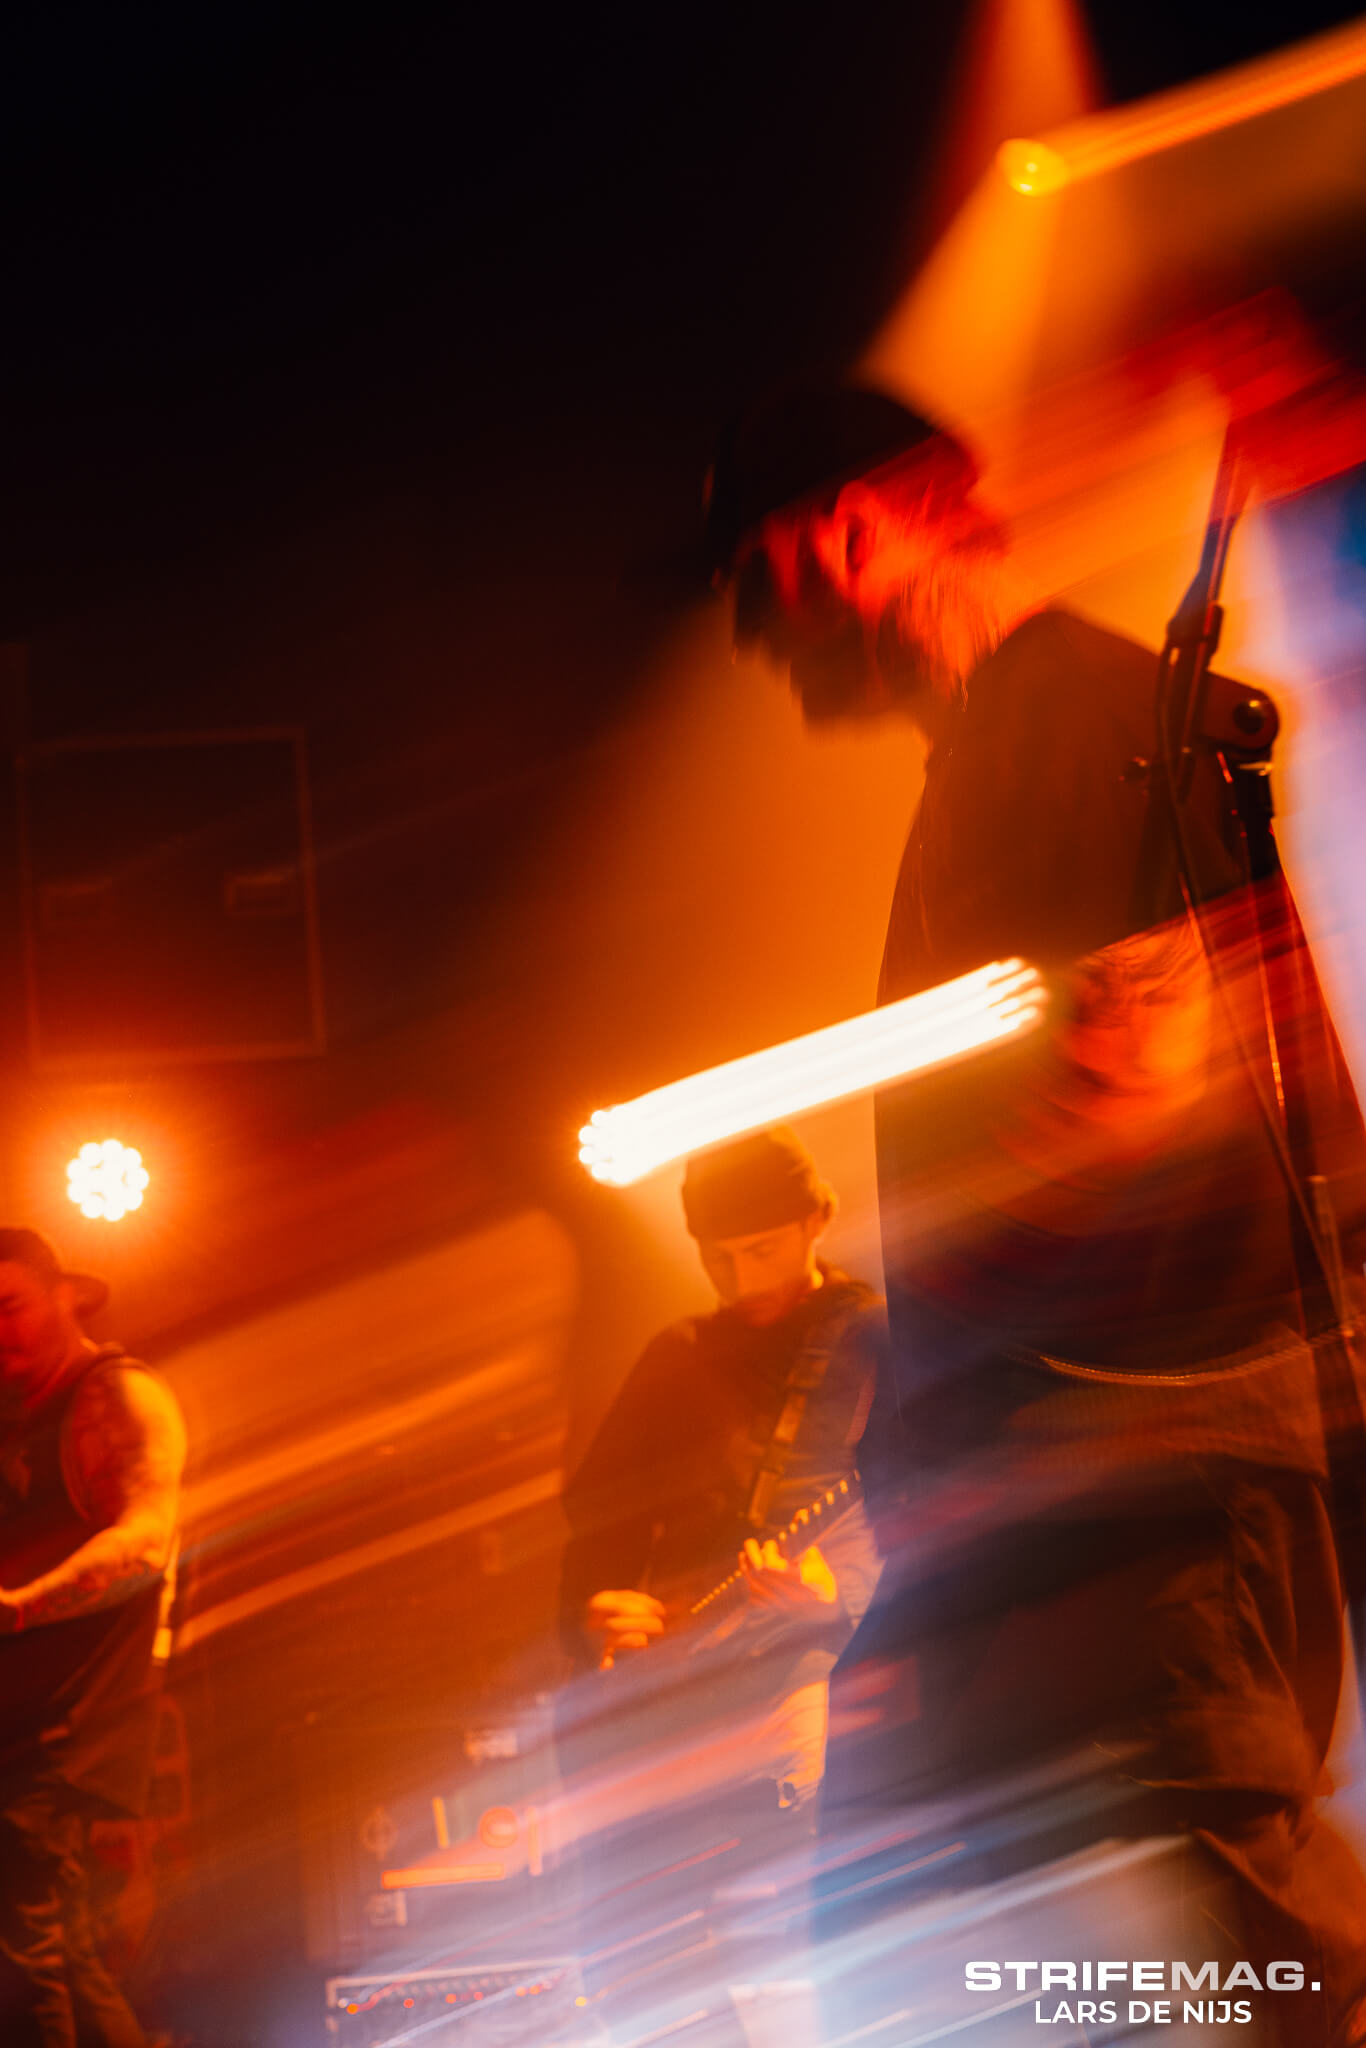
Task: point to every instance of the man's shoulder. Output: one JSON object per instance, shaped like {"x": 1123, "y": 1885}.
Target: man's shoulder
{"x": 848, "y": 1320}
{"x": 851, "y": 1304}
{"x": 1059, "y": 632}
{"x": 121, "y": 1393}
{"x": 854, "y": 1304}
{"x": 687, "y": 1333}
{"x": 1089, "y": 692}
{"x": 1061, "y": 647}
{"x": 861, "y": 1326}
{"x": 677, "y": 1346}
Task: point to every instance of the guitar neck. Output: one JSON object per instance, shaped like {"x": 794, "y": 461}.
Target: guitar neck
{"x": 800, "y": 1533}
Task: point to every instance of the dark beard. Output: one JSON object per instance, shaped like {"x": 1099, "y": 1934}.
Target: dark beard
{"x": 907, "y": 664}
{"x": 834, "y": 680}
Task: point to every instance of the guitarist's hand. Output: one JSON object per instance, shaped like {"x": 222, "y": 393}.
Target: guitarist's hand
{"x": 621, "y": 1619}
{"x": 799, "y": 1589}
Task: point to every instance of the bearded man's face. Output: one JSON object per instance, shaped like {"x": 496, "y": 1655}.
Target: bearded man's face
{"x": 819, "y": 591}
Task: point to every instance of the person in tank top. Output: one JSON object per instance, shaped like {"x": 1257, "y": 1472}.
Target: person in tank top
{"x": 91, "y": 1450}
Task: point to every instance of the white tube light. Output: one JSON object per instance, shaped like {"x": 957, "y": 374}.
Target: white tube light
{"x": 1002, "y": 1000}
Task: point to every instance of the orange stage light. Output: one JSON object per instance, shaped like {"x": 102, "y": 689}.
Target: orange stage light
{"x": 1032, "y": 166}
{"x": 623, "y": 1144}
{"x": 1026, "y": 68}
{"x": 1102, "y": 142}
{"x": 106, "y": 1180}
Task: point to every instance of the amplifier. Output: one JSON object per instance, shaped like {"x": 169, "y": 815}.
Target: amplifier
{"x": 496, "y": 2005}
{"x": 420, "y": 1843}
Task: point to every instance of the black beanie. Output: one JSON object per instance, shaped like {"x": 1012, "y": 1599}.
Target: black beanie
{"x": 757, "y": 1183}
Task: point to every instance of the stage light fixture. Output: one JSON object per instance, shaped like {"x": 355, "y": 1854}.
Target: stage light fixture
{"x": 944, "y": 1024}
{"x": 106, "y": 1180}
{"x": 1102, "y": 142}
{"x": 1032, "y": 167}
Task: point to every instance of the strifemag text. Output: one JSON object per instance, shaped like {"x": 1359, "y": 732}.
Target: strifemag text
{"x": 1196, "y": 1994}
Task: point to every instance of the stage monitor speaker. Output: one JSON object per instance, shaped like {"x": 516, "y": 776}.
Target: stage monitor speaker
{"x": 169, "y": 902}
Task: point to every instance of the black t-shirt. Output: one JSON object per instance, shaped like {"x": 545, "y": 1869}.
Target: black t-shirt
{"x": 1011, "y": 1216}
{"x": 1028, "y": 836}
{"x": 659, "y": 1502}
{"x": 1113, "y": 1525}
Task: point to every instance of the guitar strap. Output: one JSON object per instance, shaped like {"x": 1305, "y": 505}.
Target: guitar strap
{"x": 805, "y": 1375}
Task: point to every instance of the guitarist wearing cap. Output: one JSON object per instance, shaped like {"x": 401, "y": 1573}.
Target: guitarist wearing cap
{"x": 731, "y": 1428}
{"x": 91, "y": 1450}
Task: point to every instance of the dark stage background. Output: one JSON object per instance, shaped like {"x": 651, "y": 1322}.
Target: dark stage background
{"x": 346, "y": 361}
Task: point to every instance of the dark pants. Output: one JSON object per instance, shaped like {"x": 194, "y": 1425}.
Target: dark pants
{"x": 903, "y": 1899}
{"x": 54, "y": 1990}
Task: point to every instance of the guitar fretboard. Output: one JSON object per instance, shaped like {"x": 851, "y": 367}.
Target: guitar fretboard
{"x": 799, "y": 1534}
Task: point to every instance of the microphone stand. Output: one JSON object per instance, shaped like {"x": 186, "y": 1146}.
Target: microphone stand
{"x": 1198, "y": 713}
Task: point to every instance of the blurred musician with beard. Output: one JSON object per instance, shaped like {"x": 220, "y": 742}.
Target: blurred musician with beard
{"x": 1113, "y": 1551}
{"x": 91, "y": 1451}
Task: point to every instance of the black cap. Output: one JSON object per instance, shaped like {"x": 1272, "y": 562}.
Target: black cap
{"x": 801, "y": 442}
{"x": 30, "y": 1248}
{"x": 757, "y": 1183}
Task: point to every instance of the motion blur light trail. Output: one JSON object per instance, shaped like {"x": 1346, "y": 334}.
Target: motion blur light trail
{"x": 106, "y": 1180}
{"x": 1102, "y": 142}
{"x": 1028, "y": 68}
{"x": 623, "y": 1144}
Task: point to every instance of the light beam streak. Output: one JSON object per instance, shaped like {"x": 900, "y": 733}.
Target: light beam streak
{"x": 1102, "y": 142}
{"x": 623, "y": 1144}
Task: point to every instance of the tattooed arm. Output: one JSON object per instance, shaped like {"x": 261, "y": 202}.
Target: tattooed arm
{"x": 122, "y": 1457}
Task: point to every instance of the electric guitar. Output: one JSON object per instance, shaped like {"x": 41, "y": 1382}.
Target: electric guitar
{"x": 731, "y": 1595}
{"x": 727, "y": 1608}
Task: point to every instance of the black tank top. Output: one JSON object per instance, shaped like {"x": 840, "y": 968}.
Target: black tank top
{"x": 77, "y": 1697}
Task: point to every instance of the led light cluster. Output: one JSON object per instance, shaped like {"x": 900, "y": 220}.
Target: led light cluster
{"x": 622, "y": 1145}
{"x": 106, "y": 1180}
